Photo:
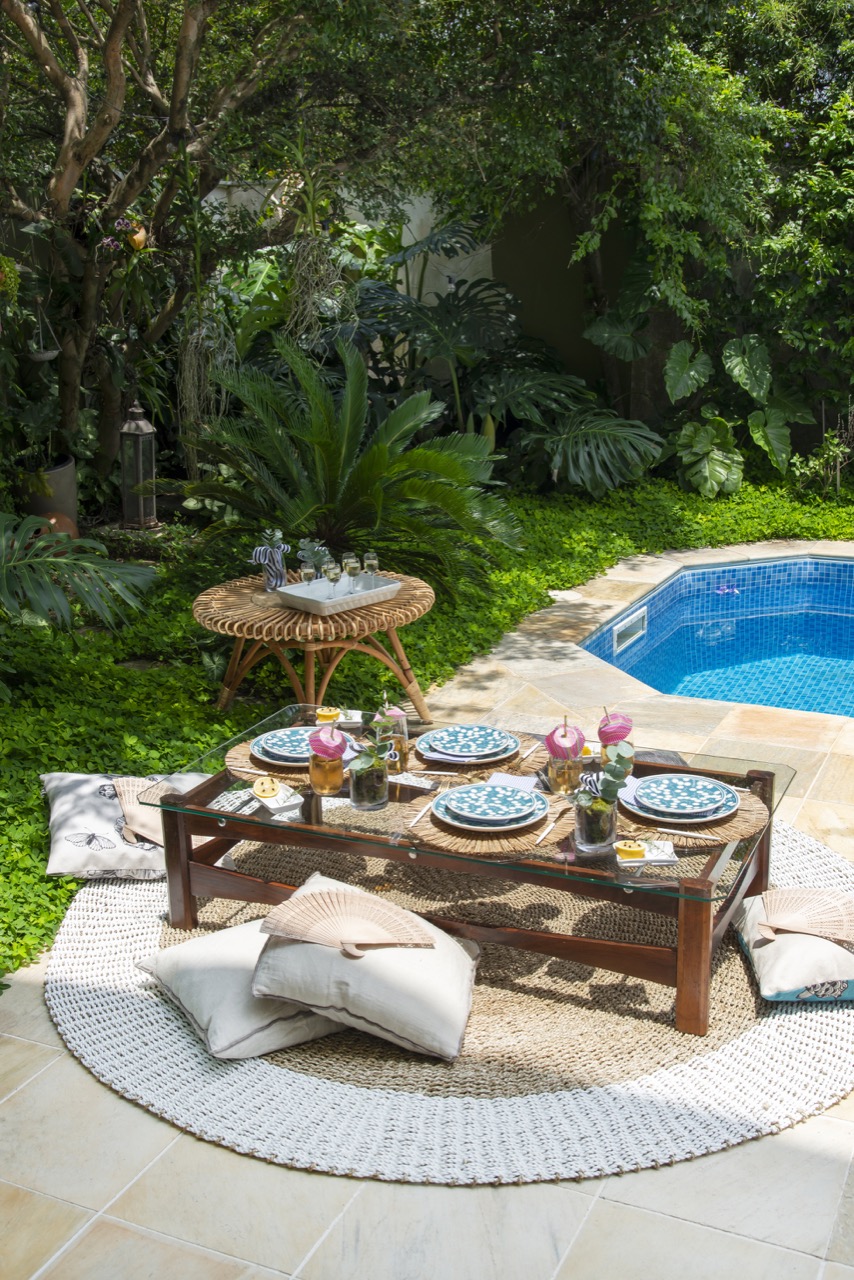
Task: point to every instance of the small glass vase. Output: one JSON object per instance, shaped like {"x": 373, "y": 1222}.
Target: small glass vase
{"x": 595, "y": 827}
{"x": 368, "y": 785}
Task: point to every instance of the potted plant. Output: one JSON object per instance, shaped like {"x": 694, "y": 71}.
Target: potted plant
{"x": 369, "y": 769}
{"x": 596, "y": 801}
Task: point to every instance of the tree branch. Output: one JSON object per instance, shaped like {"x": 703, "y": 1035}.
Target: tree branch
{"x": 245, "y": 85}
{"x": 110, "y": 110}
{"x": 16, "y": 207}
{"x": 190, "y": 40}
{"x": 71, "y": 39}
{"x": 40, "y": 51}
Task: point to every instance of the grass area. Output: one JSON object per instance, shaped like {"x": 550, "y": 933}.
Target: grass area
{"x": 140, "y": 700}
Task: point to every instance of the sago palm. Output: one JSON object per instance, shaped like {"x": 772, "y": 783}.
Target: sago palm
{"x": 314, "y": 464}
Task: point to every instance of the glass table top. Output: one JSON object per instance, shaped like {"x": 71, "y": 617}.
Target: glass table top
{"x": 232, "y": 769}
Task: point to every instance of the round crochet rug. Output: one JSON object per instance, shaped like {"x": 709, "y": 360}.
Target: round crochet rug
{"x": 566, "y": 1072}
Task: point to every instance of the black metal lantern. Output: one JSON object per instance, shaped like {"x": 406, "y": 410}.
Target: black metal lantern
{"x": 138, "y": 439}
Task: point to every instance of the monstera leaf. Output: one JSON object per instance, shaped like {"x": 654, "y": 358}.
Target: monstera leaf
{"x": 747, "y": 362}
{"x": 770, "y": 431}
{"x": 685, "y": 373}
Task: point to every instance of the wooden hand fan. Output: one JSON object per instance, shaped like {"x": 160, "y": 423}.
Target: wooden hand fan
{"x": 347, "y": 920}
{"x": 825, "y": 913}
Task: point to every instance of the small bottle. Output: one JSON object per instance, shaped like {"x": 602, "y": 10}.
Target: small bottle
{"x": 564, "y": 744}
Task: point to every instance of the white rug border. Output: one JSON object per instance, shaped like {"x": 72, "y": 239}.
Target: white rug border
{"x": 797, "y": 1061}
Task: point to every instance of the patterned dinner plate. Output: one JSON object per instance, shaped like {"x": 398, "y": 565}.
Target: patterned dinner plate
{"x": 498, "y": 827}
{"x": 512, "y": 750}
{"x": 487, "y": 803}
{"x": 288, "y": 746}
{"x": 683, "y": 795}
{"x": 468, "y": 741}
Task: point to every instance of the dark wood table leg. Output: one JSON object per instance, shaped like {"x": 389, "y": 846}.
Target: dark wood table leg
{"x": 177, "y": 848}
{"x": 694, "y": 961}
{"x": 763, "y": 780}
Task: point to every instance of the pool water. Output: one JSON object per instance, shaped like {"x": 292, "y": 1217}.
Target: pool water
{"x": 775, "y": 632}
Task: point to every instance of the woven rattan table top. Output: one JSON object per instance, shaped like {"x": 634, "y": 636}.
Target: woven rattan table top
{"x": 230, "y": 610}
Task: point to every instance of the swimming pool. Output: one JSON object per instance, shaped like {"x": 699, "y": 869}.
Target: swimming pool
{"x": 775, "y": 632}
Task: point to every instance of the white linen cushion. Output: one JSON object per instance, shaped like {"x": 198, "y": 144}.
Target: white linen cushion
{"x": 795, "y": 966}
{"x": 210, "y": 980}
{"x": 88, "y": 830}
{"x": 416, "y": 997}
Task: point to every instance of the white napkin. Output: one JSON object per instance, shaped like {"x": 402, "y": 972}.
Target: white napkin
{"x": 521, "y": 783}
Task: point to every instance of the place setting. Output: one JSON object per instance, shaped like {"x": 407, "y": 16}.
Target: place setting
{"x": 691, "y": 807}
{"x": 504, "y": 816}
{"x": 467, "y": 747}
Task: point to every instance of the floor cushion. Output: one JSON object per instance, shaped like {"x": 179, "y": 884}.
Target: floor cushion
{"x": 418, "y": 998}
{"x": 88, "y": 830}
{"x": 794, "y": 966}
{"x": 210, "y": 980}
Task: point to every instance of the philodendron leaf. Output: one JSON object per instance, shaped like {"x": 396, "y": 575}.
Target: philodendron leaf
{"x": 682, "y": 374}
{"x": 771, "y": 433}
{"x": 716, "y": 471}
{"x": 747, "y": 362}
{"x": 620, "y": 336}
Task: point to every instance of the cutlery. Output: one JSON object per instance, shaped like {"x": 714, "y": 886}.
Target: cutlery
{"x": 541, "y": 837}
{"x": 529, "y": 752}
{"x": 420, "y": 814}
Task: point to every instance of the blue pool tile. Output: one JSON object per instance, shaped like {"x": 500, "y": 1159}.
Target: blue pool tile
{"x": 776, "y": 632}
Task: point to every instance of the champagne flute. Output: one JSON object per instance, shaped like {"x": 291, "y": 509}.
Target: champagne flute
{"x": 353, "y": 569}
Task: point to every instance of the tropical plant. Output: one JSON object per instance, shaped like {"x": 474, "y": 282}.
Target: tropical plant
{"x": 315, "y": 463}
{"x": 709, "y": 451}
{"x": 595, "y": 449}
{"x": 42, "y": 572}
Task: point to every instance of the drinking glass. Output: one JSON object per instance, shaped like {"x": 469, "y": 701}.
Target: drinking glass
{"x": 332, "y": 574}
{"x": 371, "y": 562}
{"x": 352, "y": 568}
{"x": 306, "y": 571}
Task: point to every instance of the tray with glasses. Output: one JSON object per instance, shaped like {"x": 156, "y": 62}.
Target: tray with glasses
{"x": 324, "y": 596}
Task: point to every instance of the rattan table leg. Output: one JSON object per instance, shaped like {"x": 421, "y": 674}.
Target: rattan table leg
{"x": 410, "y": 684}
{"x": 231, "y": 679}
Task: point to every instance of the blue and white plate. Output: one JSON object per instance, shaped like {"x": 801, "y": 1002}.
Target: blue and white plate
{"x": 468, "y": 741}
{"x": 287, "y": 746}
{"x": 492, "y": 804}
{"x": 491, "y": 827}
{"x": 682, "y": 795}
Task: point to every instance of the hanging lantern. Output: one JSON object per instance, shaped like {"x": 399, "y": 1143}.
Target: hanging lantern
{"x": 138, "y": 439}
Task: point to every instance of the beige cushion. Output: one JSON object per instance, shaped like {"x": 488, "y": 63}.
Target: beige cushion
{"x": 210, "y": 980}
{"x": 416, "y": 997}
{"x": 795, "y": 966}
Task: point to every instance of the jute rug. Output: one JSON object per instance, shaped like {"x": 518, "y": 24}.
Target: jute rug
{"x": 566, "y": 1071}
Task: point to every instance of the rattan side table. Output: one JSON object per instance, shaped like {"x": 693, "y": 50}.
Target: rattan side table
{"x": 261, "y": 631}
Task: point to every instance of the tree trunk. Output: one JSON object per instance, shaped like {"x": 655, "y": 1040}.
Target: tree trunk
{"x": 611, "y": 370}
{"x": 71, "y": 359}
{"x": 110, "y": 416}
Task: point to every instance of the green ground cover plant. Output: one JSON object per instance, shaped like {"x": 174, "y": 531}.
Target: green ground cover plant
{"x": 141, "y": 699}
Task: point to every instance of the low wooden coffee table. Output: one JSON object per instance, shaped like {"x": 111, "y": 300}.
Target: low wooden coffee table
{"x": 701, "y": 892}
{"x": 262, "y": 630}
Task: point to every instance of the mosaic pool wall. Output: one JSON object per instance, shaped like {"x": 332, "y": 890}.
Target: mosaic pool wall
{"x": 776, "y": 624}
